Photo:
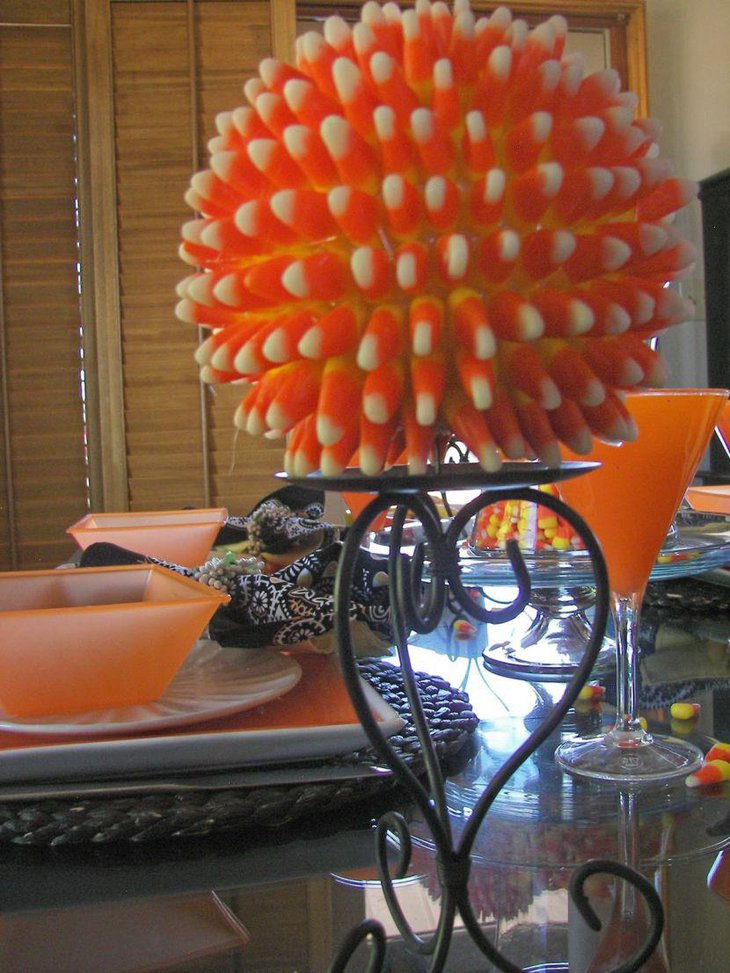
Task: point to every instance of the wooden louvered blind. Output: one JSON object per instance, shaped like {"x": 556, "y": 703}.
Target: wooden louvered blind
{"x": 43, "y": 476}
{"x": 175, "y": 66}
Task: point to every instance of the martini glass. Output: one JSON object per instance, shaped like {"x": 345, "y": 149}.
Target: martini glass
{"x": 629, "y": 503}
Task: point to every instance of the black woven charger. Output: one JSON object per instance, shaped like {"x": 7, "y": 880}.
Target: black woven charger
{"x": 157, "y": 816}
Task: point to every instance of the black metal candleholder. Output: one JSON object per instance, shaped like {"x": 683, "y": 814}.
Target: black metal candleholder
{"x": 418, "y": 584}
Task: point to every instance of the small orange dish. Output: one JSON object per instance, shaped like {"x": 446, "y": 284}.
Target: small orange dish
{"x": 711, "y": 499}
{"x": 179, "y": 536}
{"x": 86, "y": 638}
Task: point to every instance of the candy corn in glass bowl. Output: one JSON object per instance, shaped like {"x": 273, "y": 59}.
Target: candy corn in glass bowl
{"x": 433, "y": 222}
{"x": 630, "y": 502}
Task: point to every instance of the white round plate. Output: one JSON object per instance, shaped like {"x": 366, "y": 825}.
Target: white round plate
{"x": 212, "y": 682}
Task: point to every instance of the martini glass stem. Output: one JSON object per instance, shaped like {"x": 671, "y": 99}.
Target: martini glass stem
{"x": 628, "y": 731}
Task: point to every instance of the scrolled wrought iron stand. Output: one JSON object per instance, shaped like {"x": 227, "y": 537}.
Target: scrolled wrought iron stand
{"x": 417, "y": 607}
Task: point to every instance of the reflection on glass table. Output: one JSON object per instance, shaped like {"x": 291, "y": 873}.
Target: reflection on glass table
{"x": 297, "y": 890}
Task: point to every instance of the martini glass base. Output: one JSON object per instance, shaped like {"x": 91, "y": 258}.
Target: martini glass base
{"x": 659, "y": 758}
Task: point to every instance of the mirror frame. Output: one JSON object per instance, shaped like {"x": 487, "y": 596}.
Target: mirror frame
{"x": 624, "y": 20}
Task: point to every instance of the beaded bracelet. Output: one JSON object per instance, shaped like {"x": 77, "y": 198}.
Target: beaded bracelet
{"x": 220, "y": 572}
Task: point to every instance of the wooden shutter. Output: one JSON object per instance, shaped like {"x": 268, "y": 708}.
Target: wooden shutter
{"x": 43, "y": 471}
{"x": 175, "y": 66}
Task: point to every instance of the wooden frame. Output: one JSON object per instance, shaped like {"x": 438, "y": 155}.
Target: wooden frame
{"x": 98, "y": 233}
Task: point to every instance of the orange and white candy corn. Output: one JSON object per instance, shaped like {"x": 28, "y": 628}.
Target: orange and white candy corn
{"x": 719, "y": 751}
{"x": 711, "y": 772}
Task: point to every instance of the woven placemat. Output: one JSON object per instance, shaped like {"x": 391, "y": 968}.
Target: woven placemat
{"x": 158, "y": 816}
{"x": 680, "y": 597}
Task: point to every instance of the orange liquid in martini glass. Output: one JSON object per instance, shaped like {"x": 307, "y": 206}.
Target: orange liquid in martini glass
{"x": 629, "y": 503}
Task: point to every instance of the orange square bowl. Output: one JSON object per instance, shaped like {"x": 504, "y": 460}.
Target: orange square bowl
{"x": 179, "y": 536}
{"x": 712, "y": 499}
{"x": 87, "y": 638}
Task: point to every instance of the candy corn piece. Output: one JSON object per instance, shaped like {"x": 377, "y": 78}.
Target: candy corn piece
{"x": 306, "y": 102}
{"x": 445, "y": 96}
{"x": 282, "y": 343}
{"x": 441, "y": 199}
{"x": 497, "y": 255}
{"x": 303, "y": 449}
{"x": 611, "y": 419}
{"x": 453, "y": 258}
{"x": 471, "y": 428}
{"x": 503, "y": 423}
{"x": 477, "y": 146}
{"x": 426, "y": 316}
{"x": 513, "y": 318}
{"x": 592, "y": 691}
{"x": 308, "y": 151}
{"x": 463, "y": 629}
{"x": 522, "y": 366}
{"x": 339, "y": 399}
{"x": 397, "y": 152}
{"x": 428, "y": 383}
{"x": 486, "y": 198}
{"x": 274, "y": 112}
{"x": 322, "y": 276}
{"x": 719, "y": 751}
{"x": 376, "y": 440}
{"x": 524, "y": 142}
{"x": 470, "y": 323}
{"x": 339, "y": 36}
{"x": 356, "y": 213}
{"x": 383, "y": 391}
{"x": 335, "y": 333}
{"x": 403, "y": 206}
{"x": 711, "y": 772}
{"x": 297, "y": 389}
{"x": 434, "y": 147}
{"x": 350, "y": 153}
{"x": 570, "y": 426}
{"x": 391, "y": 87}
{"x": 355, "y": 96}
{"x": 491, "y": 91}
{"x": 535, "y": 425}
{"x": 418, "y": 56}
{"x": 544, "y": 251}
{"x": 382, "y": 338}
{"x": 371, "y": 270}
{"x": 418, "y": 441}
{"x": 305, "y": 212}
{"x": 337, "y": 456}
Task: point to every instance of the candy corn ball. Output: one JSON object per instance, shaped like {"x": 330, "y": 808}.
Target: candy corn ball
{"x": 433, "y": 223}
